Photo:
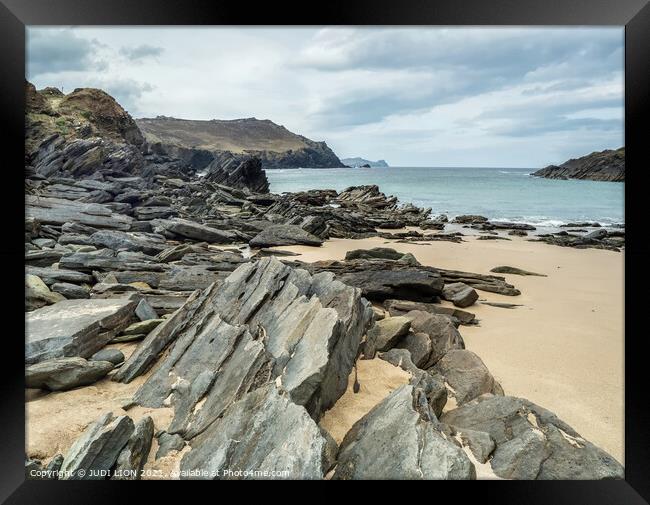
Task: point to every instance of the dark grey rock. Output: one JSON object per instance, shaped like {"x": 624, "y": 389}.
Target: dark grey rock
{"x": 531, "y": 442}
{"x": 53, "y": 275}
{"x": 62, "y": 374}
{"x": 461, "y": 295}
{"x": 467, "y": 375}
{"x": 133, "y": 457}
{"x": 385, "y": 334}
{"x": 60, "y": 211}
{"x": 284, "y": 234}
{"x": 400, "y": 439}
{"x": 401, "y": 307}
{"x": 183, "y": 228}
{"x": 97, "y": 449}
{"x": 440, "y": 329}
{"x": 71, "y": 291}
{"x": 144, "y": 311}
{"x": 419, "y": 345}
{"x": 74, "y": 327}
{"x": 169, "y": 442}
{"x": 114, "y": 356}
{"x": 262, "y": 432}
{"x": 514, "y": 270}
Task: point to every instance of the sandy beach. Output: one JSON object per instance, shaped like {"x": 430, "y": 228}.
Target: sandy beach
{"x": 562, "y": 349}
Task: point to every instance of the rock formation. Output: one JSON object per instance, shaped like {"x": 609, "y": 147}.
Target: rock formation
{"x": 608, "y": 165}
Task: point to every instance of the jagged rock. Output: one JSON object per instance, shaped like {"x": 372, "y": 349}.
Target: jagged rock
{"x": 607, "y": 165}
{"x": 419, "y": 345}
{"x": 467, "y": 375}
{"x": 145, "y": 311}
{"x": 168, "y": 442}
{"x": 461, "y": 295}
{"x": 37, "y": 294}
{"x": 54, "y": 466}
{"x": 53, "y": 275}
{"x": 183, "y": 228}
{"x": 74, "y": 327}
{"x": 440, "y": 329}
{"x": 114, "y": 356}
{"x": 62, "y": 374}
{"x": 119, "y": 240}
{"x": 531, "y": 442}
{"x": 150, "y": 213}
{"x": 247, "y": 174}
{"x": 60, "y": 211}
{"x": 266, "y": 321}
{"x": 97, "y": 449}
{"x": 480, "y": 443}
{"x": 133, "y": 457}
{"x": 284, "y": 234}
{"x": 385, "y": 334}
{"x": 469, "y": 219}
{"x": 262, "y": 432}
{"x": 42, "y": 258}
{"x": 514, "y": 270}
{"x": 490, "y": 283}
{"x": 70, "y": 291}
{"x": 399, "y": 439}
{"x": 401, "y": 307}
{"x": 105, "y": 260}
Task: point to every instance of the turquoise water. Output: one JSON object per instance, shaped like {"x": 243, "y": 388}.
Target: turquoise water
{"x": 500, "y": 194}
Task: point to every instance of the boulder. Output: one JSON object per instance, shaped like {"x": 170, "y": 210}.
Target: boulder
{"x": 114, "y": 356}
{"x": 37, "y": 294}
{"x": 418, "y": 345}
{"x": 461, "y": 295}
{"x": 97, "y": 449}
{"x": 531, "y": 442}
{"x": 62, "y": 374}
{"x": 144, "y": 311}
{"x": 74, "y": 327}
{"x": 120, "y": 240}
{"x": 142, "y": 327}
{"x": 385, "y": 334}
{"x": 441, "y": 331}
{"x": 59, "y": 211}
{"x": 284, "y": 234}
{"x": 261, "y": 434}
{"x": 133, "y": 457}
{"x": 385, "y": 253}
{"x": 183, "y": 228}
{"x": 167, "y": 443}
{"x": 400, "y": 439}
{"x": 467, "y": 375}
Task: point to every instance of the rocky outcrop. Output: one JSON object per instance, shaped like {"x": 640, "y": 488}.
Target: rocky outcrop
{"x": 360, "y": 162}
{"x": 284, "y": 234}
{"x": 608, "y": 165}
{"x": 400, "y": 438}
{"x": 531, "y": 442}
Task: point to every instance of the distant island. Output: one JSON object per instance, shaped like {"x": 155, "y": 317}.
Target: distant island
{"x": 198, "y": 142}
{"x": 361, "y": 162}
{"x": 608, "y": 165}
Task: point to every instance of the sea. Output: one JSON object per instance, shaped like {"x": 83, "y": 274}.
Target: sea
{"x": 500, "y": 194}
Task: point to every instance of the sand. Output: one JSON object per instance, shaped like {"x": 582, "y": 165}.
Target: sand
{"x": 563, "y": 349}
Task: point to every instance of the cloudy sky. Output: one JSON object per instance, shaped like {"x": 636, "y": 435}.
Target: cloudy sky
{"x": 500, "y": 97}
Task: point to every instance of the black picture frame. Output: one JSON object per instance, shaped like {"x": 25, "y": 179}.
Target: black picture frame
{"x": 633, "y": 14}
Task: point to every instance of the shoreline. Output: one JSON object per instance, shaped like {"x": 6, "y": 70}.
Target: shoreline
{"x": 563, "y": 349}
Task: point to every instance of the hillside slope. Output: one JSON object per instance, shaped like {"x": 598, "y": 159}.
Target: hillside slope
{"x": 608, "y": 165}
{"x": 276, "y": 146}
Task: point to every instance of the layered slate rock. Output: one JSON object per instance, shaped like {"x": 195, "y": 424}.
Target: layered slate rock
{"x": 401, "y": 307}
{"x": 132, "y": 458}
{"x": 65, "y": 373}
{"x": 267, "y": 322}
{"x": 284, "y": 234}
{"x": 385, "y": 334}
{"x": 185, "y": 229}
{"x": 383, "y": 279}
{"x": 60, "y": 211}
{"x": 97, "y": 449}
{"x": 467, "y": 375}
{"x": 400, "y": 438}
{"x": 263, "y": 432}
{"x": 74, "y": 327}
{"x": 531, "y": 442}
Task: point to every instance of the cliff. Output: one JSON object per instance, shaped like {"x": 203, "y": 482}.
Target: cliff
{"x": 199, "y": 141}
{"x": 608, "y": 165}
